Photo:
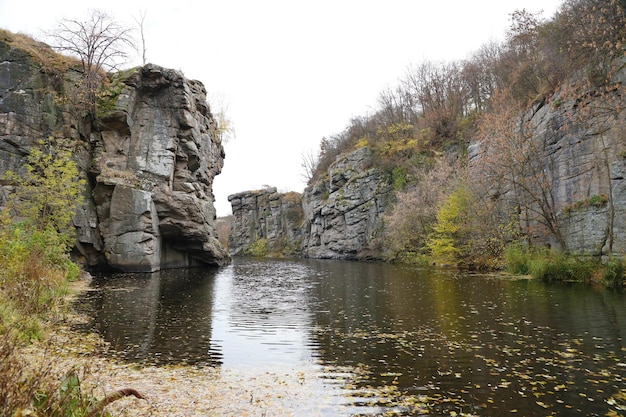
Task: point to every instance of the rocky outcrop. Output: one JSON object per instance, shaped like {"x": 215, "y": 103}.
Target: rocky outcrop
{"x": 149, "y": 161}
{"x": 590, "y": 184}
{"x": 154, "y": 158}
{"x": 343, "y": 210}
{"x": 267, "y": 217}
{"x": 579, "y": 141}
{"x": 337, "y": 217}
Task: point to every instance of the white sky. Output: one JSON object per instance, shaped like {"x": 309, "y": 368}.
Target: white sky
{"x": 289, "y": 71}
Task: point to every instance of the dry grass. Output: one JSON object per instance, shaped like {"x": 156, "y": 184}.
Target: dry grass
{"x": 40, "y": 52}
{"x": 292, "y": 197}
{"x": 32, "y": 279}
{"x": 34, "y": 384}
{"x": 53, "y": 377}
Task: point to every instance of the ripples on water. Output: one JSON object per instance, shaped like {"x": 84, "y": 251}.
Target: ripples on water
{"x": 374, "y": 338}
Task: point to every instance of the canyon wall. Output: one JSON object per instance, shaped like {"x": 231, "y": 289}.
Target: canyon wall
{"x": 338, "y": 217}
{"x": 577, "y": 155}
{"x": 343, "y": 209}
{"x": 149, "y": 160}
{"x": 578, "y": 140}
{"x": 266, "y": 221}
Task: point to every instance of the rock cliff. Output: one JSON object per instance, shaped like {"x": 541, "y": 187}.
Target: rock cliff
{"x": 343, "y": 209}
{"x": 149, "y": 160}
{"x": 338, "y": 217}
{"x": 267, "y": 218}
{"x": 580, "y": 144}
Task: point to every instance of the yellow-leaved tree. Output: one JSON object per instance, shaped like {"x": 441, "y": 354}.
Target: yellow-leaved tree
{"x": 448, "y": 238}
{"x": 48, "y": 193}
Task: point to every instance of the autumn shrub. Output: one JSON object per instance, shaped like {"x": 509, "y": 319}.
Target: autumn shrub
{"x": 257, "y": 248}
{"x": 410, "y": 219}
{"x": 36, "y": 269}
{"x": 35, "y": 237}
{"x": 33, "y": 283}
{"x": 48, "y": 190}
{"x": 448, "y": 238}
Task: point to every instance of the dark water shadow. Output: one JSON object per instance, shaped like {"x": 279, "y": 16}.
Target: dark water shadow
{"x": 161, "y": 318}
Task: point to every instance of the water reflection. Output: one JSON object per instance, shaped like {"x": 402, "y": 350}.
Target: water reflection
{"x": 163, "y": 317}
{"x": 464, "y": 343}
{"x": 262, "y": 314}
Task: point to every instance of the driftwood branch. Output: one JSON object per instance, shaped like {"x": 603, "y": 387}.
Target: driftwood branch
{"x": 114, "y": 396}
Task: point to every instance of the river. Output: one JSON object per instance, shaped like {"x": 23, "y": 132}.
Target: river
{"x": 374, "y": 338}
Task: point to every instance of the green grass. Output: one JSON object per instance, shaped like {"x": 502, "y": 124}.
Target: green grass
{"x": 613, "y": 273}
{"x": 549, "y": 265}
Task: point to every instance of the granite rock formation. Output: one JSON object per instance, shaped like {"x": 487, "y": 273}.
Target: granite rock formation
{"x": 149, "y": 161}
{"x": 582, "y": 149}
{"x": 337, "y": 217}
{"x": 343, "y": 210}
{"x": 267, "y": 215}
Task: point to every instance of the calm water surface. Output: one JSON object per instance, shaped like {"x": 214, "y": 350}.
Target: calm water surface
{"x": 379, "y": 338}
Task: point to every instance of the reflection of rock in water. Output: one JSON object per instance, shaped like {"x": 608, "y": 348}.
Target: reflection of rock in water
{"x": 163, "y": 317}
{"x": 371, "y": 331}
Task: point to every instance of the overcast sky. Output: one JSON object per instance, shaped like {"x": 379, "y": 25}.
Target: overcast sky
{"x": 291, "y": 71}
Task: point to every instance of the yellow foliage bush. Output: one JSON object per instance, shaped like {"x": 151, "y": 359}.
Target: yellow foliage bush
{"x": 447, "y": 238}
{"x": 258, "y": 248}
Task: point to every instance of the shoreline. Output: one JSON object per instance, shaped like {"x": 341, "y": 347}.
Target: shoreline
{"x": 169, "y": 390}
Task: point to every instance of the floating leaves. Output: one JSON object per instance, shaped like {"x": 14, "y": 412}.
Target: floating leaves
{"x": 445, "y": 345}
{"x": 505, "y": 366}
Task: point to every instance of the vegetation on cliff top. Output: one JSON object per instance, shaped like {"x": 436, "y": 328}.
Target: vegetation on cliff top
{"x": 420, "y": 131}
{"x": 50, "y": 61}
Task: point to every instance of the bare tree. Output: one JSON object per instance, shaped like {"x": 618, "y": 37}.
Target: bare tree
{"x": 225, "y": 127}
{"x": 479, "y": 76}
{"x": 520, "y": 166}
{"x": 140, "y": 23}
{"x": 440, "y": 95}
{"x": 309, "y": 163}
{"x": 396, "y": 105}
{"x": 99, "y": 42}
